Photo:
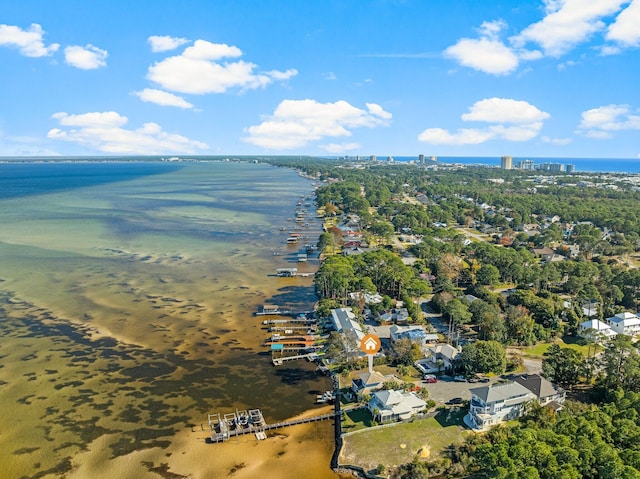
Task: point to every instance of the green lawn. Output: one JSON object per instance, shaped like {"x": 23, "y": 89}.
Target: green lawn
{"x": 357, "y": 419}
{"x": 399, "y": 444}
{"x": 566, "y": 342}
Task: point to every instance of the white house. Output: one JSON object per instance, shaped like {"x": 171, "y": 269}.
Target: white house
{"x": 595, "y": 329}
{"x": 625, "y": 323}
{"x": 392, "y": 405}
{"x": 491, "y": 405}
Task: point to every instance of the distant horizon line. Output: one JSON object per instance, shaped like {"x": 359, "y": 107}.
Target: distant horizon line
{"x": 325, "y": 157}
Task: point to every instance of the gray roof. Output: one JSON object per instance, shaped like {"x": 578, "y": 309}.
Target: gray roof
{"x": 344, "y": 322}
{"x": 445, "y": 350}
{"x": 500, "y": 392}
{"x": 537, "y": 385}
{"x": 371, "y": 378}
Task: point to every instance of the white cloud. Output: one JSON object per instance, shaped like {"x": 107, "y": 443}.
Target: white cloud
{"x": 198, "y": 70}
{"x": 376, "y": 110}
{"x": 103, "y": 131}
{"x": 165, "y": 43}
{"x": 610, "y": 50}
{"x": 29, "y": 41}
{"x": 278, "y": 75}
{"x": 162, "y": 98}
{"x": 464, "y": 136}
{"x": 492, "y": 29}
{"x": 94, "y": 119}
{"x": 504, "y": 110}
{"x": 486, "y": 54}
{"x": 602, "y": 121}
{"x": 625, "y": 29}
{"x": 295, "y": 123}
{"x": 567, "y": 64}
{"x": 556, "y": 141}
{"x": 511, "y": 120}
{"x": 85, "y": 58}
{"x": 204, "y": 50}
{"x": 329, "y": 76}
{"x": 567, "y": 23}
{"x": 338, "y": 148}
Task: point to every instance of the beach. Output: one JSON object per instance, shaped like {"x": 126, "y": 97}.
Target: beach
{"x": 128, "y": 316}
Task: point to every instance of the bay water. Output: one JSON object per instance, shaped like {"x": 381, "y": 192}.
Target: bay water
{"x": 127, "y": 300}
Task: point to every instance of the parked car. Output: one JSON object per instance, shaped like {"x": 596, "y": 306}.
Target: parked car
{"x": 430, "y": 378}
{"x": 454, "y": 401}
{"x": 484, "y": 380}
{"x": 460, "y": 379}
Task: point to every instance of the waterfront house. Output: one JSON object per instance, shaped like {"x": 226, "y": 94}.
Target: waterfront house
{"x": 625, "y": 323}
{"x": 345, "y": 322}
{"x": 392, "y": 405}
{"x": 491, "y": 405}
{"x": 368, "y": 382}
{"x": 497, "y": 403}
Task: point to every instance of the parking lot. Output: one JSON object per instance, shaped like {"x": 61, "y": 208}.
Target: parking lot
{"x": 446, "y": 388}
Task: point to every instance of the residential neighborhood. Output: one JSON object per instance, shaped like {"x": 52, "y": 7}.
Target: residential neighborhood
{"x": 485, "y": 309}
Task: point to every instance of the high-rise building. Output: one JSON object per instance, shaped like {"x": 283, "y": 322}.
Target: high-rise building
{"x": 373, "y": 158}
{"x": 571, "y": 168}
{"x": 506, "y": 163}
{"x": 526, "y": 165}
{"x": 421, "y": 158}
{"x": 551, "y": 167}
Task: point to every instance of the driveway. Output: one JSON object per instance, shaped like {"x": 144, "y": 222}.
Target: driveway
{"x": 532, "y": 366}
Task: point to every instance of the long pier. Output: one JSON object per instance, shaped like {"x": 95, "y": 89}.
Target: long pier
{"x": 308, "y": 356}
{"x": 240, "y": 423}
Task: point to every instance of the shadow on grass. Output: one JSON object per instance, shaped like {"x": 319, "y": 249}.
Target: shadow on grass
{"x": 452, "y": 416}
{"x": 574, "y": 340}
{"x": 357, "y": 419}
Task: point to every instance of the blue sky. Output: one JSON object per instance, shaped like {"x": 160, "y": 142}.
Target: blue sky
{"x": 534, "y": 78}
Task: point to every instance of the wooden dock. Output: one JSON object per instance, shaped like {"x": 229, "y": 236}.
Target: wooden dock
{"x": 240, "y": 423}
{"x": 283, "y": 359}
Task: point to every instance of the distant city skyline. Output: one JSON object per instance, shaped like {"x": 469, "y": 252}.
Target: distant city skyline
{"x": 527, "y": 79}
